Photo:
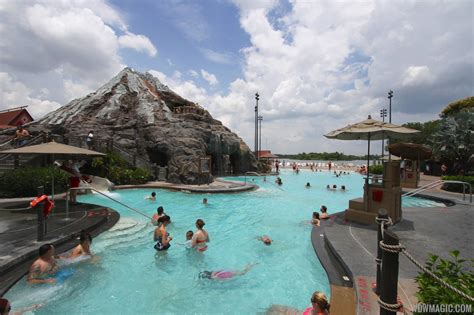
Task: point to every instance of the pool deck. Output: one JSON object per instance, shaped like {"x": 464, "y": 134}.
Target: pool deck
{"x": 219, "y": 185}
{"x": 422, "y": 231}
{"x": 18, "y": 233}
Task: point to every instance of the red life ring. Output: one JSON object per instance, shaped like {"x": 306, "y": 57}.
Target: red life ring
{"x": 38, "y": 200}
{"x": 48, "y": 205}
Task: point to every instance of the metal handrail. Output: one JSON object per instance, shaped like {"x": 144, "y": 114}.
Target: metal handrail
{"x": 30, "y": 142}
{"x": 440, "y": 182}
{"x": 100, "y": 193}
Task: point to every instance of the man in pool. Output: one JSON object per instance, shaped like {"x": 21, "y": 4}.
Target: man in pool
{"x": 265, "y": 239}
{"x": 43, "y": 269}
{"x": 204, "y": 201}
{"x": 225, "y": 274}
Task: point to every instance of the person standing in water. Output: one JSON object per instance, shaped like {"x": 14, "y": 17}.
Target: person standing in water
{"x": 159, "y": 213}
{"x": 201, "y": 237}
{"x": 225, "y": 274}
{"x": 161, "y": 236}
{"x": 84, "y": 247}
{"x": 44, "y": 267}
{"x": 319, "y": 305}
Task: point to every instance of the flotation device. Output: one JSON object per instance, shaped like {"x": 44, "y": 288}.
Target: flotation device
{"x": 48, "y": 204}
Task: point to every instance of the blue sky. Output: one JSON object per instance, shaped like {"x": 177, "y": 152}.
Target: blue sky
{"x": 317, "y": 65}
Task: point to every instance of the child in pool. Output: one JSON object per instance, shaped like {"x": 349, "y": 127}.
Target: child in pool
{"x": 189, "y": 239}
{"x": 225, "y": 274}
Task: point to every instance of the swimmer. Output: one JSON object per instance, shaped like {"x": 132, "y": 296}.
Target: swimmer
{"x": 225, "y": 274}
{"x": 84, "y": 247}
{"x": 204, "y": 201}
{"x": 343, "y": 188}
{"x": 308, "y": 185}
{"x": 159, "y": 213}
{"x": 320, "y": 305}
{"x": 328, "y": 187}
{"x": 189, "y": 239}
{"x": 315, "y": 220}
{"x": 334, "y": 186}
{"x": 324, "y": 213}
{"x": 201, "y": 237}
{"x": 152, "y": 197}
{"x": 264, "y": 178}
{"x": 6, "y": 308}
{"x": 161, "y": 236}
{"x": 278, "y": 181}
{"x": 44, "y": 267}
{"x": 265, "y": 239}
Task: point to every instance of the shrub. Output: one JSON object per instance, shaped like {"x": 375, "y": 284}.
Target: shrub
{"x": 457, "y": 187}
{"x": 376, "y": 169}
{"x": 118, "y": 171}
{"x": 24, "y": 182}
{"x": 453, "y": 271}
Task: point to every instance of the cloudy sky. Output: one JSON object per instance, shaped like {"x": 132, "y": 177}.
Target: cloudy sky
{"x": 317, "y": 65}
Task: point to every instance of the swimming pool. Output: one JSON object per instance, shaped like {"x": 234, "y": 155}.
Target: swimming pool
{"x": 131, "y": 277}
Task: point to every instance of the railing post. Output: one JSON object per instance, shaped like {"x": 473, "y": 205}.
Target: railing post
{"x": 67, "y": 204}
{"x": 381, "y": 221}
{"x": 39, "y": 211}
{"x": 389, "y": 289}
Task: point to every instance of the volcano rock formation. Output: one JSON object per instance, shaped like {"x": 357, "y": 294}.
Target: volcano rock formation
{"x": 145, "y": 118}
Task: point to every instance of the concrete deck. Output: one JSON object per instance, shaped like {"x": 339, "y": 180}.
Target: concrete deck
{"x": 219, "y": 185}
{"x": 422, "y": 231}
{"x": 18, "y": 233}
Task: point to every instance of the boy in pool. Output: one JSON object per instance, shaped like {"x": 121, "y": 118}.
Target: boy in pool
{"x": 152, "y": 197}
{"x": 189, "y": 239}
{"x": 225, "y": 274}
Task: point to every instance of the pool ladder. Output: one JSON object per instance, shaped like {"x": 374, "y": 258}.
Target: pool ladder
{"x": 441, "y": 182}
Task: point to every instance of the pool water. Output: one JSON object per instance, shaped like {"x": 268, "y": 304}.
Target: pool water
{"x": 131, "y": 277}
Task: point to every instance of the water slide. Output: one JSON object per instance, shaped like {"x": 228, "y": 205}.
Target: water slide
{"x": 98, "y": 183}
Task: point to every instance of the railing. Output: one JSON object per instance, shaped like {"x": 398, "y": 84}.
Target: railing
{"x": 31, "y": 141}
{"x": 100, "y": 193}
{"x": 438, "y": 183}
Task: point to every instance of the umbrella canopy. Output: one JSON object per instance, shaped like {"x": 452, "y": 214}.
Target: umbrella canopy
{"x": 371, "y": 129}
{"x": 53, "y": 148}
{"x": 411, "y": 151}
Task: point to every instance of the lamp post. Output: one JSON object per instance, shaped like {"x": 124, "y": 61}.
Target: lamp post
{"x": 260, "y": 118}
{"x": 383, "y": 114}
{"x": 390, "y": 95}
{"x": 257, "y": 97}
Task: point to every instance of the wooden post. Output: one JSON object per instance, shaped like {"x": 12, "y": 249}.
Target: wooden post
{"x": 382, "y": 216}
{"x": 389, "y": 289}
{"x": 39, "y": 211}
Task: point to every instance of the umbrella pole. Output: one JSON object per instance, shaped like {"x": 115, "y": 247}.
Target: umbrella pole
{"x": 367, "y": 178}
{"x": 52, "y": 181}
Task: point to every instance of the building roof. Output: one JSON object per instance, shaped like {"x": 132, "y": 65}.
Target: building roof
{"x": 8, "y": 117}
{"x": 266, "y": 154}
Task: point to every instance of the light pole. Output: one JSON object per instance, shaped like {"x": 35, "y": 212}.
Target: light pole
{"x": 257, "y": 97}
{"x": 383, "y": 114}
{"x": 390, "y": 95}
{"x": 260, "y": 118}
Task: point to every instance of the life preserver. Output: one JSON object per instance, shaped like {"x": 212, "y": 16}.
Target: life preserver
{"x": 48, "y": 205}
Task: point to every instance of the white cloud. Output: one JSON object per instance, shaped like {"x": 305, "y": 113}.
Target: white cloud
{"x": 137, "y": 42}
{"x": 14, "y": 94}
{"x": 209, "y": 77}
{"x": 193, "y": 73}
{"x": 218, "y": 57}
{"x": 417, "y": 75}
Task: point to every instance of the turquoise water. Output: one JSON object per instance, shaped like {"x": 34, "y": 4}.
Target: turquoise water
{"x": 131, "y": 277}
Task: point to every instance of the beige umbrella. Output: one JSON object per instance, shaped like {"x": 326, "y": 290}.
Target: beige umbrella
{"x": 371, "y": 129}
{"x": 53, "y": 148}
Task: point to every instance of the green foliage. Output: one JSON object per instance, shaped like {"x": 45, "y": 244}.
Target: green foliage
{"x": 376, "y": 169}
{"x": 23, "y": 182}
{"x": 454, "y": 271}
{"x": 454, "y": 141}
{"x": 117, "y": 170}
{"x": 457, "y": 187}
{"x": 427, "y": 130}
{"x": 455, "y": 107}
{"x": 326, "y": 156}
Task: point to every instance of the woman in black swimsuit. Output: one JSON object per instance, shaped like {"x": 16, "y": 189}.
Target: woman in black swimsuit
{"x": 161, "y": 236}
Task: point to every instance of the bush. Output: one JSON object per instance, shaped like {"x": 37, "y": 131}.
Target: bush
{"x": 117, "y": 170}
{"x": 453, "y": 271}
{"x": 24, "y": 182}
{"x": 376, "y": 169}
{"x": 457, "y": 187}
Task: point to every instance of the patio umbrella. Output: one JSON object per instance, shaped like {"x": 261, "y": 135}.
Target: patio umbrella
{"x": 54, "y": 149}
{"x": 370, "y": 129}
{"x": 411, "y": 151}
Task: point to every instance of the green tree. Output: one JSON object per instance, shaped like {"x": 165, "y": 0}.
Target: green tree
{"x": 454, "y": 141}
{"x": 463, "y": 105}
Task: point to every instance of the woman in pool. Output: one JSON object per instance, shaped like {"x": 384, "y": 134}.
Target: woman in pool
{"x": 324, "y": 213}
{"x": 320, "y": 305}
{"x": 84, "y": 247}
{"x": 161, "y": 236}
{"x": 315, "y": 220}
{"x": 201, "y": 237}
{"x": 159, "y": 213}
{"x": 224, "y": 274}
